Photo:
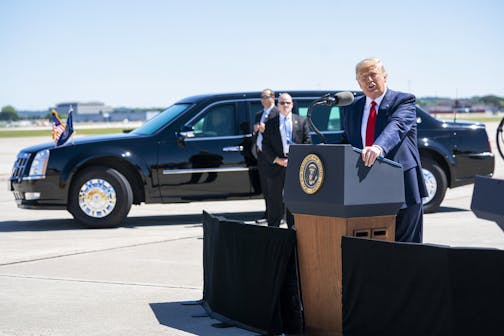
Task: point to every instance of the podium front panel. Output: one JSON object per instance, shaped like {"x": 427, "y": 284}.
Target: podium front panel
{"x": 346, "y": 188}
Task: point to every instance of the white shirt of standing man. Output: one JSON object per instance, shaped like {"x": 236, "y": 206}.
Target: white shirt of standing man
{"x": 285, "y": 107}
{"x": 267, "y": 101}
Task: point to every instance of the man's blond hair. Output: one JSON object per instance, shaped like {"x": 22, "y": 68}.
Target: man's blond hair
{"x": 368, "y": 62}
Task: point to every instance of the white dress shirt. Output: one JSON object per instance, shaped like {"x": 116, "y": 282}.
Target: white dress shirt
{"x": 286, "y": 124}
{"x": 365, "y": 115}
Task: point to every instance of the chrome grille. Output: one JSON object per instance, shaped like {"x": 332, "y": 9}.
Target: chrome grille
{"x": 18, "y": 196}
{"x": 20, "y": 166}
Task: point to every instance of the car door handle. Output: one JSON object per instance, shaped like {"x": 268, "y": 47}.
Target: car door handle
{"x": 233, "y": 149}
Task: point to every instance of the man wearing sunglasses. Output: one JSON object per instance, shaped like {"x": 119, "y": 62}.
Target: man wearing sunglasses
{"x": 264, "y": 166}
{"x": 281, "y": 131}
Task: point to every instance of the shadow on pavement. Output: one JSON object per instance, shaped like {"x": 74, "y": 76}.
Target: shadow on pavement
{"x": 39, "y": 225}
{"x": 130, "y": 222}
{"x": 451, "y": 209}
{"x": 187, "y": 317}
{"x": 186, "y": 219}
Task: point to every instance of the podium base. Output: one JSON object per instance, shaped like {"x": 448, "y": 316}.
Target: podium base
{"x": 319, "y": 253}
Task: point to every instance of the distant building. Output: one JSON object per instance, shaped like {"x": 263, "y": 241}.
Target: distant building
{"x": 81, "y": 109}
{"x": 99, "y": 112}
{"x": 456, "y": 106}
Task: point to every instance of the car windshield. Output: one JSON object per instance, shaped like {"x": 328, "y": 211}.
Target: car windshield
{"x": 151, "y": 126}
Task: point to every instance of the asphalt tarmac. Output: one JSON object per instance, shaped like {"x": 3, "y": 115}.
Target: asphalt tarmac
{"x": 57, "y": 278}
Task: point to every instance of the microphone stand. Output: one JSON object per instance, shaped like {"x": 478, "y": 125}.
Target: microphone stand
{"x": 324, "y": 100}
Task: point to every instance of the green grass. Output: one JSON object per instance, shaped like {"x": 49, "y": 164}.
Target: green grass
{"x": 470, "y": 117}
{"x": 12, "y": 133}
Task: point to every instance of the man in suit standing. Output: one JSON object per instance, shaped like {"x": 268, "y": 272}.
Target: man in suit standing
{"x": 383, "y": 122}
{"x": 281, "y": 131}
{"x": 263, "y": 166}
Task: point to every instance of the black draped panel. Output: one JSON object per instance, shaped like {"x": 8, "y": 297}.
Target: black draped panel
{"x": 413, "y": 289}
{"x": 477, "y": 281}
{"x": 250, "y": 276}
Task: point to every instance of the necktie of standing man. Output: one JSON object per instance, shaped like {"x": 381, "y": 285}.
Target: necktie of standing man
{"x": 264, "y": 117}
{"x": 288, "y": 129}
{"x": 371, "y": 123}
{"x": 287, "y": 133}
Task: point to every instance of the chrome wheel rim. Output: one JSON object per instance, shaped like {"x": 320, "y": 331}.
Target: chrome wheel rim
{"x": 431, "y": 184}
{"x": 97, "y": 198}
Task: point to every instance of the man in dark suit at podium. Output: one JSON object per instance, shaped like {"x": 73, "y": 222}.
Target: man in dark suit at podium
{"x": 281, "y": 131}
{"x": 383, "y": 122}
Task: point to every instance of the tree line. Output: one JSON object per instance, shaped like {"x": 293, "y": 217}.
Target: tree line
{"x": 495, "y": 103}
{"x": 9, "y": 113}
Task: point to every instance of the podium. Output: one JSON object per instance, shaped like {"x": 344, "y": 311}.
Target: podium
{"x": 486, "y": 202}
{"x": 332, "y": 194}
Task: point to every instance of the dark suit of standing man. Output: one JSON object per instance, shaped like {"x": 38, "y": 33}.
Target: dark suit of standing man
{"x": 394, "y": 136}
{"x": 264, "y": 166}
{"x": 276, "y": 140}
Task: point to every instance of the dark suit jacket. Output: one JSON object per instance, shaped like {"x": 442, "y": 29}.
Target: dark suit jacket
{"x": 273, "y": 113}
{"x": 272, "y": 139}
{"x": 395, "y": 133}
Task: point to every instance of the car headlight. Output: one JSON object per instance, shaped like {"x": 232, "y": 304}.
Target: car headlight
{"x": 39, "y": 165}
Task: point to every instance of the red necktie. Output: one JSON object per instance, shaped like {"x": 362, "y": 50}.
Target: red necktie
{"x": 371, "y": 123}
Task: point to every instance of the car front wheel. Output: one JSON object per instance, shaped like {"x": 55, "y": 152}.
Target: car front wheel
{"x": 436, "y": 183}
{"x": 100, "y": 197}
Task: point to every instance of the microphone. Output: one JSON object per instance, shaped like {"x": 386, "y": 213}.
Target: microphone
{"x": 339, "y": 99}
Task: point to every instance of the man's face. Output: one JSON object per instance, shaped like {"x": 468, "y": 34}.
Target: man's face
{"x": 372, "y": 81}
{"x": 267, "y": 99}
{"x": 285, "y": 104}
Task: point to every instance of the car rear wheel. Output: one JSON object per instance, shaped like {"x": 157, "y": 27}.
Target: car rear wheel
{"x": 100, "y": 197}
{"x": 436, "y": 183}
{"x": 500, "y": 138}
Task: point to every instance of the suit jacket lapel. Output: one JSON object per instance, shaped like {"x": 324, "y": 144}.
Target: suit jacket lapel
{"x": 295, "y": 128}
{"x": 383, "y": 110}
{"x": 276, "y": 129}
{"x": 273, "y": 113}
{"x": 358, "y": 121}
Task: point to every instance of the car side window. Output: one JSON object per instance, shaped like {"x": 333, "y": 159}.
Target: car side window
{"x": 325, "y": 118}
{"x": 219, "y": 120}
{"x": 334, "y": 123}
{"x": 254, "y": 108}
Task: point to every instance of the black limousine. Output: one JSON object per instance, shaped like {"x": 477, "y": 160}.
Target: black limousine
{"x": 200, "y": 148}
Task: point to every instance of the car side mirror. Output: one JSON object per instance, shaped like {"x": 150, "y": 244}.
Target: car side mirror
{"x": 184, "y": 133}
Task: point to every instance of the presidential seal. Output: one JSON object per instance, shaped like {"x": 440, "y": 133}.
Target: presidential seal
{"x": 311, "y": 174}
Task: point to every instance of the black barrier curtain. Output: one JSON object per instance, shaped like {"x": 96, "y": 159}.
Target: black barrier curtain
{"x": 477, "y": 282}
{"x": 250, "y": 275}
{"x": 413, "y": 289}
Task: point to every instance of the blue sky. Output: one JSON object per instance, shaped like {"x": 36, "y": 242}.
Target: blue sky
{"x": 151, "y": 53}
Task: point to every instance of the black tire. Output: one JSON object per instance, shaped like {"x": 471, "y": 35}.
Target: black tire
{"x": 500, "y": 138}
{"x": 436, "y": 188}
{"x": 100, "y": 197}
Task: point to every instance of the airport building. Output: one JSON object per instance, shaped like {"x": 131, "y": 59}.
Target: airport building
{"x": 97, "y": 111}
{"x": 85, "y": 110}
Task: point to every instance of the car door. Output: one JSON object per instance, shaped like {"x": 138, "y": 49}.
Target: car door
{"x": 210, "y": 160}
